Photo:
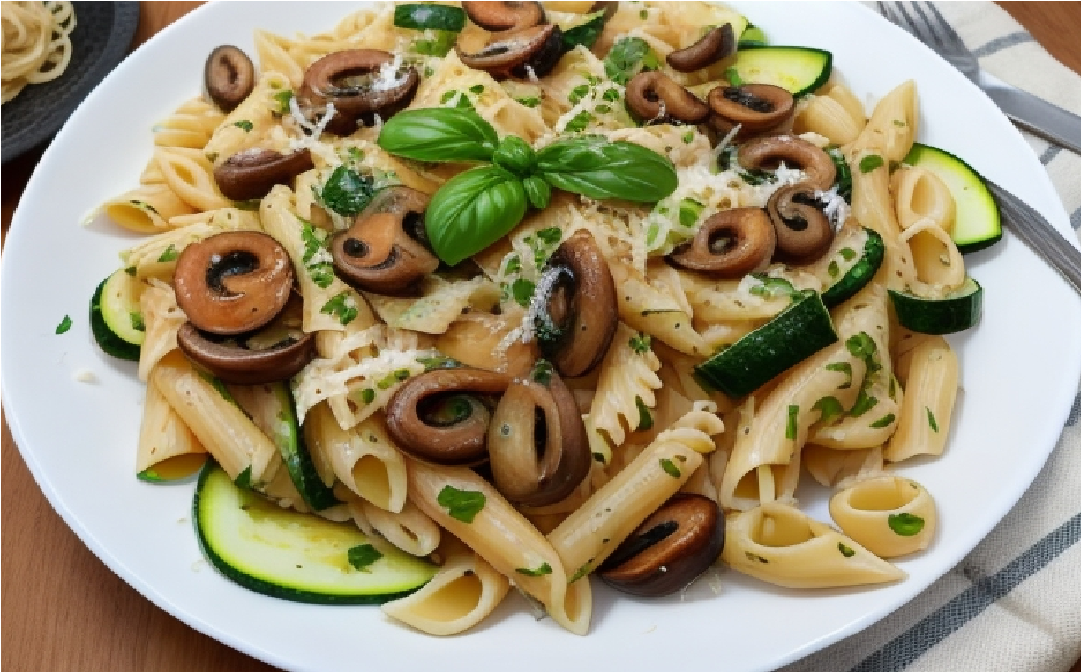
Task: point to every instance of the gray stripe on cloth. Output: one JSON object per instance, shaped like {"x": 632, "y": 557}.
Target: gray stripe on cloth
{"x": 906, "y": 648}
{"x": 1075, "y": 219}
{"x": 1075, "y": 410}
{"x": 999, "y": 43}
{"x": 1049, "y": 154}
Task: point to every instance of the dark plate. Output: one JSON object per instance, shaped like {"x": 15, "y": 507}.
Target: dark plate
{"x": 101, "y": 37}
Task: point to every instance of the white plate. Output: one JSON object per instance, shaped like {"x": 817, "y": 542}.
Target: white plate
{"x": 1019, "y": 371}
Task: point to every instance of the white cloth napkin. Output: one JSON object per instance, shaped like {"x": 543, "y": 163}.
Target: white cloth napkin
{"x": 1014, "y": 604}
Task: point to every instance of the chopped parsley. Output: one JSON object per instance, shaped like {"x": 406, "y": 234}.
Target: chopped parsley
{"x": 582, "y": 571}
{"x": 884, "y": 421}
{"x": 347, "y": 192}
{"x": 137, "y": 322}
{"x": 283, "y": 98}
{"x": 930, "y": 418}
{"x": 689, "y": 210}
{"x": 899, "y": 124}
{"x": 545, "y": 568}
{"x": 829, "y": 408}
{"x": 688, "y": 137}
{"x": 578, "y": 93}
{"x": 477, "y": 89}
{"x": 362, "y": 556}
{"x": 611, "y": 95}
{"x": 864, "y": 403}
{"x": 64, "y": 325}
{"x": 771, "y": 286}
{"x": 550, "y": 235}
{"x": 669, "y": 467}
{"x": 529, "y": 102}
{"x": 438, "y": 362}
{"x": 627, "y": 58}
{"x": 463, "y": 505}
{"x": 732, "y": 75}
{"x": 170, "y": 254}
{"x": 847, "y": 253}
{"x": 131, "y": 270}
{"x": 640, "y": 343}
{"x": 396, "y": 376}
{"x": 870, "y": 162}
{"x": 244, "y": 124}
{"x": 645, "y": 418}
{"x": 440, "y": 45}
{"x": 542, "y": 372}
{"x": 522, "y": 291}
{"x": 514, "y": 264}
{"x": 341, "y": 306}
{"x": 579, "y": 122}
{"x": 845, "y": 550}
{"x": 905, "y": 524}
{"x": 322, "y": 274}
{"x": 754, "y": 557}
{"x": 833, "y": 269}
{"x": 367, "y": 395}
{"x": 791, "y": 428}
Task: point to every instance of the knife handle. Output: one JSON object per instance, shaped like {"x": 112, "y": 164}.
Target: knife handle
{"x": 1037, "y": 115}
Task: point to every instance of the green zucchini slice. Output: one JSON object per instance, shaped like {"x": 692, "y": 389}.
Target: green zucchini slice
{"x": 800, "y": 70}
{"x": 957, "y": 311}
{"x": 978, "y": 223}
{"x": 752, "y": 36}
{"x": 428, "y": 16}
{"x": 115, "y": 319}
{"x": 793, "y": 335}
{"x": 582, "y": 30}
{"x": 296, "y": 556}
{"x": 852, "y": 277}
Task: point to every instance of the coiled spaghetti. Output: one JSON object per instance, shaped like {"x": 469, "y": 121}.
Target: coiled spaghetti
{"x": 37, "y": 43}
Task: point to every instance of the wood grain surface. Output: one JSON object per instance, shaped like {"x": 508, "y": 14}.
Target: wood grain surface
{"x": 63, "y": 610}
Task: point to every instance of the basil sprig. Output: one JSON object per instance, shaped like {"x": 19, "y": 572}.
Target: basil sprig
{"x": 478, "y": 207}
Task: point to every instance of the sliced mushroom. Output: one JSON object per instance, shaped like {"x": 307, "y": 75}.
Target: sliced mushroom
{"x": 360, "y": 83}
{"x": 439, "y": 417}
{"x": 579, "y": 316}
{"x": 715, "y": 45}
{"x": 669, "y": 550}
{"x": 803, "y": 230}
{"x": 232, "y": 283}
{"x": 756, "y": 108}
{"x": 385, "y": 251}
{"x": 253, "y": 172}
{"x": 509, "y": 16}
{"x": 229, "y": 76}
{"x": 795, "y": 152}
{"x": 533, "y": 51}
{"x": 537, "y": 444}
{"x": 235, "y": 363}
{"x": 653, "y": 96}
{"x": 730, "y": 244}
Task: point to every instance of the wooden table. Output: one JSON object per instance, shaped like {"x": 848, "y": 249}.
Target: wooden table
{"x": 63, "y": 610}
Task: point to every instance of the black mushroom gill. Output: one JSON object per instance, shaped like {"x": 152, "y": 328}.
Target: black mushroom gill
{"x": 579, "y": 315}
{"x": 755, "y": 108}
{"x": 653, "y": 96}
{"x": 729, "y": 244}
{"x": 804, "y": 232}
{"x": 505, "y": 16}
{"x": 717, "y": 44}
{"x": 232, "y": 283}
{"x": 253, "y": 172}
{"x": 360, "y": 83}
{"x": 768, "y": 152}
{"x": 532, "y": 51}
{"x": 442, "y": 416}
{"x": 385, "y": 251}
{"x": 670, "y": 549}
{"x": 229, "y": 77}
{"x": 537, "y": 444}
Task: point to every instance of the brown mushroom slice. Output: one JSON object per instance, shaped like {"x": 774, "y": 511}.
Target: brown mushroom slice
{"x": 537, "y": 444}
{"x": 385, "y": 250}
{"x": 232, "y": 283}
{"x": 803, "y": 231}
{"x": 579, "y": 316}
{"x": 755, "y": 107}
{"x": 795, "y": 152}
{"x": 715, "y": 45}
{"x": 252, "y": 173}
{"x": 229, "y": 76}
{"x": 355, "y": 81}
{"x": 653, "y": 96}
{"x": 669, "y": 550}
{"x": 504, "y": 15}
{"x": 439, "y": 417}
{"x": 730, "y": 244}
{"x": 534, "y": 50}
{"x": 233, "y": 363}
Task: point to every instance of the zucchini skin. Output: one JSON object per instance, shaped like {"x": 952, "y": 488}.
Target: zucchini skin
{"x": 779, "y": 54}
{"x": 857, "y": 277}
{"x": 940, "y": 316}
{"x": 105, "y": 337}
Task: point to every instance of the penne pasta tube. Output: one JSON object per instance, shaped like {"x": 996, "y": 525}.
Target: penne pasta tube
{"x": 166, "y": 445}
{"x": 888, "y": 515}
{"x": 927, "y": 406}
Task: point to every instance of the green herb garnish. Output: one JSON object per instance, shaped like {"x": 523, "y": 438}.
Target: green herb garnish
{"x": 669, "y": 467}
{"x": 64, "y": 325}
{"x": 245, "y": 125}
{"x": 545, "y": 568}
{"x": 931, "y": 420}
{"x": 463, "y": 505}
{"x": 828, "y": 408}
{"x": 845, "y": 550}
{"x": 870, "y": 162}
{"x": 791, "y": 428}
{"x": 341, "y": 306}
{"x": 362, "y": 556}
{"x": 905, "y": 524}
{"x": 645, "y": 418}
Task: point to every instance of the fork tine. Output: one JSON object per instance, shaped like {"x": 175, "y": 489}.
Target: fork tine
{"x": 944, "y": 26}
{"x": 927, "y": 18}
{"x": 918, "y": 26}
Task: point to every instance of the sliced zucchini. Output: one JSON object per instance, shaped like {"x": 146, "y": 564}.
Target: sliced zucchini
{"x": 115, "y": 319}
{"x": 579, "y": 29}
{"x": 957, "y": 311}
{"x": 272, "y": 410}
{"x": 752, "y": 36}
{"x": 427, "y": 16}
{"x": 179, "y": 468}
{"x": 795, "y": 334}
{"x": 864, "y": 247}
{"x": 978, "y": 223}
{"x": 798, "y": 69}
{"x": 296, "y": 556}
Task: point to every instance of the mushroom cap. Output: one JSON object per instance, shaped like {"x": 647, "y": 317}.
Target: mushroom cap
{"x": 652, "y": 95}
{"x": 352, "y": 81}
{"x": 729, "y": 244}
{"x": 509, "y": 16}
{"x": 719, "y": 43}
{"x": 767, "y": 152}
{"x": 803, "y": 231}
{"x": 755, "y": 107}
{"x": 229, "y": 76}
{"x": 537, "y": 48}
{"x": 234, "y": 282}
{"x": 245, "y": 366}
{"x": 252, "y": 173}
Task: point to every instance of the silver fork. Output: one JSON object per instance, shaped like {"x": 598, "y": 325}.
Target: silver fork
{"x": 927, "y": 24}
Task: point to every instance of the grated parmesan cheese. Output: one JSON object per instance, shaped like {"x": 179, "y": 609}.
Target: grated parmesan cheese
{"x": 84, "y": 376}
{"x": 836, "y": 208}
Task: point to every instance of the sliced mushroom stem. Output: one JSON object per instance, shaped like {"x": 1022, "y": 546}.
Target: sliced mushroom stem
{"x": 537, "y": 443}
{"x": 730, "y": 244}
{"x": 355, "y": 82}
{"x": 508, "y": 16}
{"x": 719, "y": 43}
{"x": 533, "y": 50}
{"x": 653, "y": 96}
{"x": 253, "y": 173}
{"x": 229, "y": 77}
{"x": 580, "y": 312}
{"x": 439, "y": 417}
{"x": 669, "y": 550}
{"x": 803, "y": 231}
{"x": 245, "y": 366}
{"x": 768, "y": 152}
{"x": 233, "y": 282}
{"x": 756, "y": 108}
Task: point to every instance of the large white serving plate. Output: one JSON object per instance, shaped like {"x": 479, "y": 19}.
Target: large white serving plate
{"x": 1020, "y": 368}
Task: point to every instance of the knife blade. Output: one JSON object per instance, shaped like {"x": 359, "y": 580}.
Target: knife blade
{"x": 1034, "y": 114}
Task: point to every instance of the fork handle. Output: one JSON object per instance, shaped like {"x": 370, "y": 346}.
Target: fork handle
{"x": 1037, "y": 115}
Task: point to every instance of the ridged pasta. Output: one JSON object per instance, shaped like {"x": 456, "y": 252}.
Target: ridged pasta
{"x": 628, "y": 380}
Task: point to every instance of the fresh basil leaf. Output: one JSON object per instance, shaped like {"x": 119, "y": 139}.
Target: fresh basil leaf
{"x": 473, "y": 210}
{"x": 429, "y": 17}
{"x": 585, "y": 33}
{"x": 347, "y": 192}
{"x": 596, "y": 167}
{"x": 515, "y": 155}
{"x": 538, "y": 192}
{"x": 439, "y": 134}
{"x": 627, "y": 58}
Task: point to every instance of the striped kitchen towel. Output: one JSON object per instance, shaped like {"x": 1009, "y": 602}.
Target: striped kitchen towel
{"x": 1014, "y": 604}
